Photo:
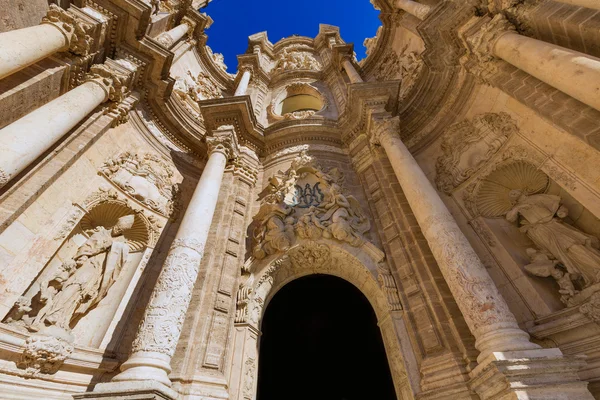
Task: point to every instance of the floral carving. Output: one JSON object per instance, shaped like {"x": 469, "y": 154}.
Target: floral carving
{"x": 203, "y": 87}
{"x": 311, "y": 255}
{"x": 76, "y": 31}
{"x": 44, "y": 354}
{"x": 468, "y": 145}
{"x": 223, "y": 140}
{"x": 146, "y": 178}
{"x": 163, "y": 320}
{"x": 290, "y": 60}
{"x": 114, "y": 82}
{"x": 407, "y": 66}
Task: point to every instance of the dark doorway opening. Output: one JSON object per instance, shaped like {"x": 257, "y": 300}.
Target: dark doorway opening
{"x": 320, "y": 340}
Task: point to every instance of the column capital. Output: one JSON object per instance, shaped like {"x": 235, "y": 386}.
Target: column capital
{"x": 246, "y": 68}
{"x": 480, "y": 35}
{"x": 382, "y": 126}
{"x": 71, "y": 27}
{"x": 223, "y": 140}
{"x": 191, "y": 26}
{"x": 115, "y": 80}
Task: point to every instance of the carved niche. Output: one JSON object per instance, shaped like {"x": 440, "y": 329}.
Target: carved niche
{"x": 104, "y": 233}
{"x": 468, "y": 145}
{"x": 296, "y": 58}
{"x": 308, "y": 203}
{"x": 516, "y": 191}
{"x": 146, "y": 178}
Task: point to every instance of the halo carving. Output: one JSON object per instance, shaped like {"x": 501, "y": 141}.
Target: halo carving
{"x": 107, "y": 213}
{"x": 492, "y": 197}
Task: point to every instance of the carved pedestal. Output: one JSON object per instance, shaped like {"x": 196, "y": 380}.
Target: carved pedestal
{"x": 530, "y": 374}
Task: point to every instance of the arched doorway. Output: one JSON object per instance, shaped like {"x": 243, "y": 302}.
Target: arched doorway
{"x": 320, "y": 340}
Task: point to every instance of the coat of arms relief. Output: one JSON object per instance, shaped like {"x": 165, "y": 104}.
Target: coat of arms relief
{"x": 306, "y": 202}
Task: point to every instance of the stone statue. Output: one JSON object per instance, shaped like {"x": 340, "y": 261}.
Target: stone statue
{"x": 82, "y": 281}
{"x": 541, "y": 221}
{"x": 276, "y": 232}
{"x": 309, "y": 225}
{"x": 343, "y": 218}
{"x": 544, "y": 265}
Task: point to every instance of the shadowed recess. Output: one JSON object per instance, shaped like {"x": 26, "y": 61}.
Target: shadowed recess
{"x": 320, "y": 340}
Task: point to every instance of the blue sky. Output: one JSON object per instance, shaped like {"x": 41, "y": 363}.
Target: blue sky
{"x": 235, "y": 20}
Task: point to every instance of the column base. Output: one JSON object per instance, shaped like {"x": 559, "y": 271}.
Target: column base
{"x": 145, "y": 366}
{"x": 544, "y": 374}
{"x": 140, "y": 390}
{"x": 203, "y": 387}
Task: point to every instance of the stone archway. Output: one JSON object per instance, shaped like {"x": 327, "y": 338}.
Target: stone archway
{"x": 308, "y": 344}
{"x": 359, "y": 266}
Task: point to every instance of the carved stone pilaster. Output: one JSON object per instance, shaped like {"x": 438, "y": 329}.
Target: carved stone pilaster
{"x": 73, "y": 29}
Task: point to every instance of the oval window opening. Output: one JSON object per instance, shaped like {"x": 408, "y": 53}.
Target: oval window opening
{"x": 301, "y": 102}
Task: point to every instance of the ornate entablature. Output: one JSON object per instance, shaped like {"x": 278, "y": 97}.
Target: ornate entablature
{"x": 146, "y": 178}
{"x": 307, "y": 203}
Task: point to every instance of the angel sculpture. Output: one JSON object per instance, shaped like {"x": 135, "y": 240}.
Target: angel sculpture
{"x": 277, "y": 230}
{"x": 309, "y": 225}
{"x": 344, "y": 218}
{"x": 543, "y": 265}
{"x": 542, "y": 222}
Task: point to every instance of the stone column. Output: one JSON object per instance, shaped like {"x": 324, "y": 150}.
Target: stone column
{"x": 169, "y": 38}
{"x": 594, "y": 4}
{"x": 351, "y": 71}
{"x": 161, "y": 326}
{"x": 413, "y": 8}
{"x": 242, "y": 87}
{"x": 483, "y": 307}
{"x": 59, "y": 31}
{"x": 29, "y": 137}
{"x": 569, "y": 71}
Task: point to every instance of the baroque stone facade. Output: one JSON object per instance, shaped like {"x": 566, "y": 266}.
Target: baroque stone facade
{"x": 153, "y": 204}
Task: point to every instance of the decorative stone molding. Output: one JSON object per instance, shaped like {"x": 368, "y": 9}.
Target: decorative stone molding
{"x": 114, "y": 82}
{"x": 203, "y": 88}
{"x": 406, "y": 66}
{"x": 481, "y": 43}
{"x": 308, "y": 203}
{"x": 389, "y": 287}
{"x": 468, "y": 145}
{"x": 224, "y": 140}
{"x": 217, "y": 58}
{"x": 479, "y": 36}
{"x": 74, "y": 30}
{"x": 291, "y": 59}
{"x": 383, "y": 126}
{"x": 146, "y": 178}
{"x": 44, "y": 354}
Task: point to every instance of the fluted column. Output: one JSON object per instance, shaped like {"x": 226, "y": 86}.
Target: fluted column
{"x": 412, "y": 7}
{"x": 30, "y": 136}
{"x": 160, "y": 329}
{"x": 59, "y": 31}
{"x": 169, "y": 38}
{"x": 574, "y": 73}
{"x": 350, "y": 70}
{"x": 483, "y": 307}
{"x": 242, "y": 87}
